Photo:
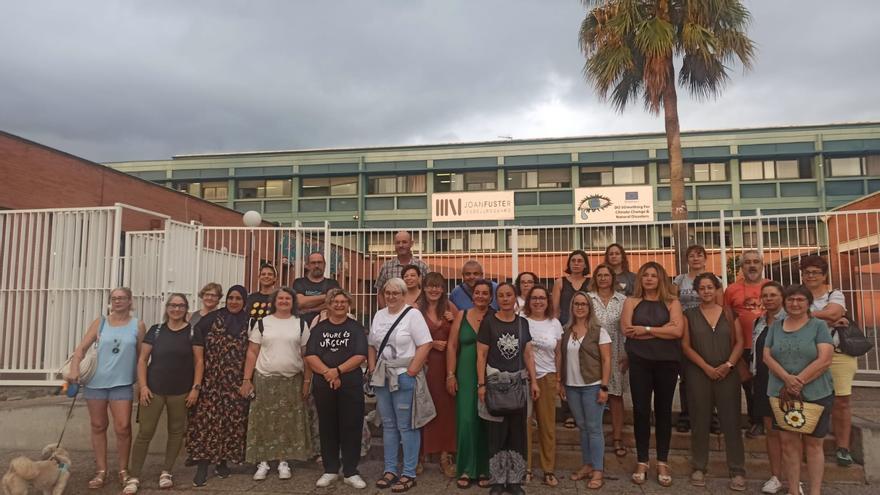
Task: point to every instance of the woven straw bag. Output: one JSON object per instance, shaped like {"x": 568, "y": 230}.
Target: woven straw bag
{"x": 793, "y": 414}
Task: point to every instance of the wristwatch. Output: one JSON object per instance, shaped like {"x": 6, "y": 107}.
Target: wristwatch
{"x": 603, "y": 388}
{"x": 648, "y": 329}
{"x": 729, "y": 364}
{"x": 197, "y": 387}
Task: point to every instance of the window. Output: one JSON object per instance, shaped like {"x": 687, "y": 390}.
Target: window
{"x": 272, "y": 188}
{"x": 852, "y": 166}
{"x": 458, "y": 241}
{"x": 550, "y": 178}
{"x": 329, "y": 186}
{"x": 696, "y": 172}
{"x": 608, "y": 176}
{"x": 465, "y": 181}
{"x": 800, "y": 168}
{"x": 212, "y": 191}
{"x": 391, "y": 184}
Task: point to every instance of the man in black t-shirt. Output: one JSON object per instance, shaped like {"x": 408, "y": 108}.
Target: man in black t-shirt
{"x": 259, "y": 304}
{"x": 312, "y": 289}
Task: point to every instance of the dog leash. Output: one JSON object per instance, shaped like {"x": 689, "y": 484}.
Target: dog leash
{"x": 69, "y": 413}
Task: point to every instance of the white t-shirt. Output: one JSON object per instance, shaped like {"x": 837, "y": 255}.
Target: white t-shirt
{"x": 819, "y": 303}
{"x": 573, "y": 376}
{"x": 280, "y": 345}
{"x": 411, "y": 332}
{"x": 545, "y": 335}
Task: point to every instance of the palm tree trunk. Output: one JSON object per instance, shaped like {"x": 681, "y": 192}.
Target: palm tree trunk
{"x": 676, "y": 179}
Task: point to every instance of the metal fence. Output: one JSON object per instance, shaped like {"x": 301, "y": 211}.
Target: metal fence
{"x": 59, "y": 265}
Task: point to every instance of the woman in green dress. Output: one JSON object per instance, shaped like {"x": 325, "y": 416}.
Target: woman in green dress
{"x": 472, "y": 460}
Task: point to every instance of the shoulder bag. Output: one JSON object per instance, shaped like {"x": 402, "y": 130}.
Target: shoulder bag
{"x": 793, "y": 414}
{"x": 89, "y": 364}
{"x": 506, "y": 392}
{"x": 368, "y": 375}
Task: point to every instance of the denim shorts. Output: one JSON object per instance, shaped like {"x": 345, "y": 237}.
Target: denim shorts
{"x": 122, "y": 392}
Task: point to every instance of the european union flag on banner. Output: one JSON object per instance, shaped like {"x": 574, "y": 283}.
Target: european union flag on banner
{"x": 632, "y": 195}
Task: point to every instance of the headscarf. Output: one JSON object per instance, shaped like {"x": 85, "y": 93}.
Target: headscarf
{"x": 233, "y": 323}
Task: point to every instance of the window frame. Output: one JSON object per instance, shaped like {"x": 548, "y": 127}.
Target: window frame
{"x": 398, "y": 180}
{"x": 326, "y": 191}
{"x": 262, "y": 191}
{"x": 464, "y": 174}
{"x": 801, "y": 164}
{"x": 603, "y": 169}
{"x": 690, "y": 171}
{"x": 508, "y": 180}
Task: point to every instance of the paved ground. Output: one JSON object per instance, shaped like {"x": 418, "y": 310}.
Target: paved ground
{"x": 430, "y": 482}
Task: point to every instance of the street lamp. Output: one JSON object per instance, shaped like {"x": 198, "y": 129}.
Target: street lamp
{"x": 251, "y": 219}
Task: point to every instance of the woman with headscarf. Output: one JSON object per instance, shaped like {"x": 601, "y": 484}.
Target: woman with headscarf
{"x": 218, "y": 424}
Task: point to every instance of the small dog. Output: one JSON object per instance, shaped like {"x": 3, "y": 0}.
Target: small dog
{"x": 49, "y": 475}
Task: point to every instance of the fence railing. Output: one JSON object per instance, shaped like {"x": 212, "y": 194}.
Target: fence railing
{"x": 59, "y": 265}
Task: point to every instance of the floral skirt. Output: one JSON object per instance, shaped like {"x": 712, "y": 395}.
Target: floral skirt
{"x": 278, "y": 422}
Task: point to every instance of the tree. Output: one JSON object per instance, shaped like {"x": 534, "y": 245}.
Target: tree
{"x": 632, "y": 46}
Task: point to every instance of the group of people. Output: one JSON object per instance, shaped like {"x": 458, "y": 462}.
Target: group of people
{"x": 245, "y": 381}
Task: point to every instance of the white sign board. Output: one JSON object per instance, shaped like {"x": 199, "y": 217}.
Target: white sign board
{"x": 614, "y": 204}
{"x": 483, "y": 205}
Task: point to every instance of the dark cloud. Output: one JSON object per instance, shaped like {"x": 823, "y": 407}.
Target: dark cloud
{"x": 137, "y": 80}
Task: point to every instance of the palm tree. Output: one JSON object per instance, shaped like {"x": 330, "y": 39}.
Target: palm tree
{"x": 631, "y": 47}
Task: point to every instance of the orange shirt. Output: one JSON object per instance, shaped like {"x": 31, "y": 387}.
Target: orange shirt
{"x": 745, "y": 301}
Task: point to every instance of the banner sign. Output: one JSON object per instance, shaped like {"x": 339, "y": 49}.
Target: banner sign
{"x": 483, "y": 205}
{"x": 614, "y": 204}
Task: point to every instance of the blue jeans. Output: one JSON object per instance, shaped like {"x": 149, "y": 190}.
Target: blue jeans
{"x": 396, "y": 411}
{"x": 588, "y": 416}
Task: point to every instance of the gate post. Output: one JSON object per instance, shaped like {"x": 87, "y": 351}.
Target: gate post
{"x": 760, "y": 244}
{"x": 327, "y": 248}
{"x": 723, "y": 242}
{"x": 514, "y": 253}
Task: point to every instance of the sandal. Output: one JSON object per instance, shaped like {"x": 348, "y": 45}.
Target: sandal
{"x": 484, "y": 482}
{"x": 529, "y": 477}
{"x": 130, "y": 485}
{"x": 664, "y": 475}
{"x": 165, "y": 480}
{"x": 698, "y": 478}
{"x": 641, "y": 473}
{"x": 619, "y": 449}
{"x": 550, "y": 480}
{"x": 447, "y": 465}
{"x": 583, "y": 473}
{"x": 404, "y": 483}
{"x": 464, "y": 482}
{"x": 386, "y": 480}
{"x": 569, "y": 423}
{"x": 597, "y": 481}
{"x": 738, "y": 483}
{"x": 123, "y": 477}
{"x": 98, "y": 480}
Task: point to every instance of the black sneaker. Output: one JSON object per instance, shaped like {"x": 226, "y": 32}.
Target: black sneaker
{"x": 755, "y": 431}
{"x": 496, "y": 489}
{"x": 715, "y": 426}
{"x": 222, "y": 470}
{"x": 515, "y": 490}
{"x": 201, "y": 478}
{"x": 683, "y": 425}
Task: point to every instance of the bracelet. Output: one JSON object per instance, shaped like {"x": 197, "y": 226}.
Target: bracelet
{"x": 246, "y": 379}
{"x": 450, "y": 377}
{"x": 481, "y": 385}
{"x": 307, "y": 381}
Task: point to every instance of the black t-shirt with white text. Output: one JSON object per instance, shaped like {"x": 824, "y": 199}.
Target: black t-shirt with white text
{"x": 336, "y": 344}
{"x": 306, "y": 287}
{"x": 506, "y": 341}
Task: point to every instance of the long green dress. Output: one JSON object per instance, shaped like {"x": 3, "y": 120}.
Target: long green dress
{"x": 472, "y": 459}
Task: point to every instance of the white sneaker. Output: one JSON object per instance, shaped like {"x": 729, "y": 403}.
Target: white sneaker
{"x": 262, "y": 471}
{"x": 773, "y": 485}
{"x": 326, "y": 479}
{"x": 283, "y": 471}
{"x": 801, "y": 488}
{"x": 355, "y": 481}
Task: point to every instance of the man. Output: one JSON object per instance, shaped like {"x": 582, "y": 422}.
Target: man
{"x": 463, "y": 294}
{"x": 391, "y": 269}
{"x": 259, "y": 303}
{"x": 312, "y": 289}
{"x": 743, "y": 300}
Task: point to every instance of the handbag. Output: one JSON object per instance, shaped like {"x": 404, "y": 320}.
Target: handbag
{"x": 368, "y": 375}
{"x": 89, "y": 364}
{"x": 506, "y": 392}
{"x": 852, "y": 340}
{"x": 793, "y": 414}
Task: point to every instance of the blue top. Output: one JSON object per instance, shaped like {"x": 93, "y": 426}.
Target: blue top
{"x": 794, "y": 351}
{"x": 463, "y": 299}
{"x": 117, "y": 355}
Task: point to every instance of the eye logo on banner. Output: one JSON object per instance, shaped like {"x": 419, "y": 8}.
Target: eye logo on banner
{"x": 614, "y": 204}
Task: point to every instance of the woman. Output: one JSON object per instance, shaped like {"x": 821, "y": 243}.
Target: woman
{"x": 438, "y": 436}
{"x": 577, "y": 269}
{"x": 504, "y": 347}
{"x": 210, "y": 296}
{"x": 472, "y": 457}
{"x": 412, "y": 276}
{"x": 336, "y": 348}
{"x": 798, "y": 352}
{"x": 830, "y": 306}
{"x": 170, "y": 369}
{"x": 218, "y": 424}
{"x": 402, "y": 359}
{"x": 624, "y": 280}
{"x": 585, "y": 369}
{"x": 118, "y": 337}
{"x": 278, "y": 422}
{"x": 712, "y": 344}
{"x": 524, "y": 283}
{"x": 771, "y": 300}
{"x": 687, "y": 295}
{"x": 259, "y": 303}
{"x": 546, "y": 332}
{"x": 652, "y": 323}
{"x": 607, "y": 304}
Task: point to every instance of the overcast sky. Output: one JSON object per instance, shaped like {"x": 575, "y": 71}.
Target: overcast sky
{"x": 128, "y": 80}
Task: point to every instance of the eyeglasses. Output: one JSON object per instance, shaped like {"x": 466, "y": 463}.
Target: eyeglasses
{"x": 812, "y": 273}
{"x": 800, "y": 300}
{"x": 581, "y": 305}
{"x": 392, "y": 293}
{"x": 119, "y": 299}
{"x": 175, "y": 306}
{"x": 211, "y": 294}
